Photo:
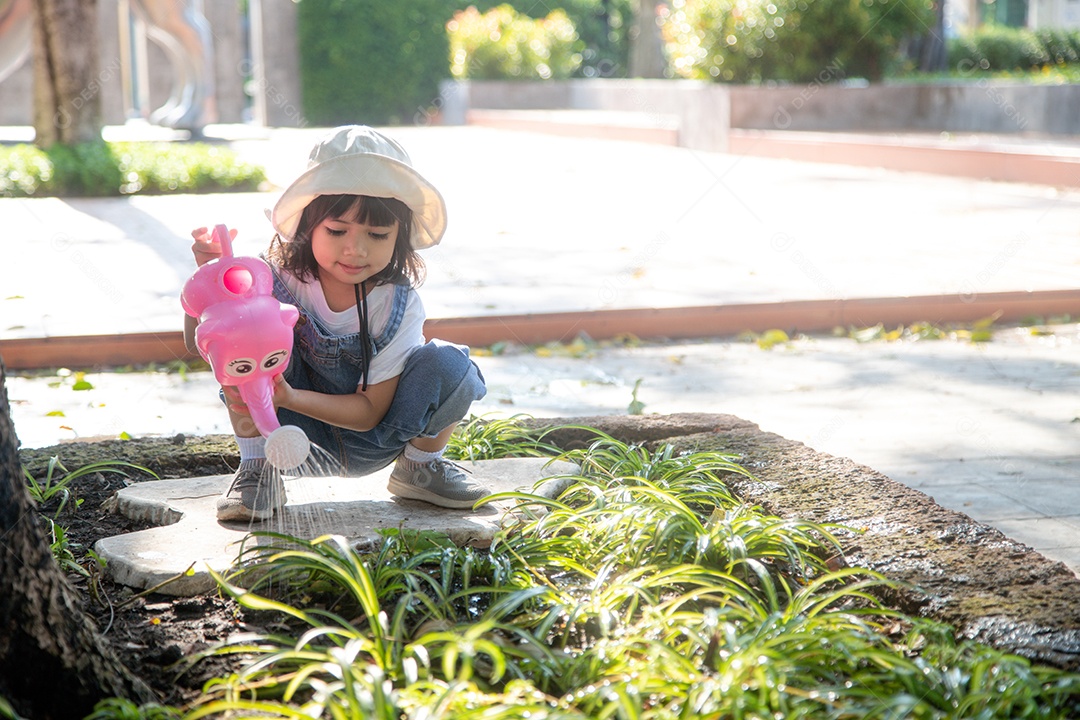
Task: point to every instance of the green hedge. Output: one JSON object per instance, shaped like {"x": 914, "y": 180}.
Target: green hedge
{"x": 383, "y": 61}
{"x": 371, "y": 61}
{"x": 753, "y": 41}
{"x": 996, "y": 48}
{"x": 110, "y": 169}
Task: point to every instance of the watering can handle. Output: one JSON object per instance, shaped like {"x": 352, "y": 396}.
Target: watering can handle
{"x": 221, "y": 235}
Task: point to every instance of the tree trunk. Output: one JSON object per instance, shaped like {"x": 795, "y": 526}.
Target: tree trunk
{"x": 67, "y": 89}
{"x": 933, "y": 54}
{"x": 646, "y": 45}
{"x": 53, "y": 664}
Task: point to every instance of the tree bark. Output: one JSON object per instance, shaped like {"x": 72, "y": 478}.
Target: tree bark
{"x": 53, "y": 663}
{"x": 646, "y": 45}
{"x": 67, "y": 89}
{"x": 933, "y": 54}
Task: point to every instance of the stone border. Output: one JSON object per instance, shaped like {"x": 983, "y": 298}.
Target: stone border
{"x": 706, "y": 112}
{"x": 646, "y": 323}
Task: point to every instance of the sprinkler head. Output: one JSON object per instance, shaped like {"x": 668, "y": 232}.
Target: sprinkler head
{"x": 287, "y": 447}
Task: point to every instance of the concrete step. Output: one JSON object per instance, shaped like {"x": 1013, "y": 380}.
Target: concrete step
{"x": 980, "y": 157}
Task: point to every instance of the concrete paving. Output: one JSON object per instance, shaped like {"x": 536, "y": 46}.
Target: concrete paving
{"x": 543, "y": 224}
{"x": 177, "y": 557}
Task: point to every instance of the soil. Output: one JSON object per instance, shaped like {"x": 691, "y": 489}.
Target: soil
{"x": 948, "y": 566}
{"x": 154, "y": 635}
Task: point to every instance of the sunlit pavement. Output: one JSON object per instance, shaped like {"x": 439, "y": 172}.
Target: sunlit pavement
{"x": 541, "y": 224}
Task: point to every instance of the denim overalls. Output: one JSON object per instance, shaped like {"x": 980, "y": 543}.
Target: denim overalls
{"x": 435, "y": 390}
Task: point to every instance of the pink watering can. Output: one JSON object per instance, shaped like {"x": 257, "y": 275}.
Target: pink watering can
{"x": 246, "y": 335}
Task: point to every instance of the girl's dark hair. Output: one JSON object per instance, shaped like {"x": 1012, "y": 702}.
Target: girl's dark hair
{"x": 295, "y": 256}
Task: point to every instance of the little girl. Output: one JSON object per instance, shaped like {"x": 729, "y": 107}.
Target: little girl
{"x": 362, "y": 382}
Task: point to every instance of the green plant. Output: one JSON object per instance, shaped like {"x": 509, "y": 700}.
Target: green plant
{"x": 603, "y": 28}
{"x": 1061, "y": 47}
{"x": 503, "y": 44}
{"x": 121, "y": 709}
{"x": 45, "y": 488}
{"x": 645, "y": 590}
{"x": 381, "y": 64}
{"x": 154, "y": 168}
{"x": 86, "y": 169}
{"x": 63, "y": 550}
{"x": 753, "y": 41}
{"x": 482, "y": 438}
{"x": 109, "y": 169}
{"x": 6, "y": 711}
{"x": 997, "y": 48}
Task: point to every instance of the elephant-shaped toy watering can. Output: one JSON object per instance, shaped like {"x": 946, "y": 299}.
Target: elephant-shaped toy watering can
{"x": 246, "y": 334}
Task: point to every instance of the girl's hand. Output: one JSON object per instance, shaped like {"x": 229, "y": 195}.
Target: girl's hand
{"x": 233, "y": 400}
{"x": 205, "y": 248}
{"x": 282, "y": 392}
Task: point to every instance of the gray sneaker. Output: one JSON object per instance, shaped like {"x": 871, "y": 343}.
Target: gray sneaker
{"x": 439, "y": 482}
{"x": 256, "y": 493}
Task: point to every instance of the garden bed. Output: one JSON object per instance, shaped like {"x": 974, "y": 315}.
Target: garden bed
{"x": 947, "y": 566}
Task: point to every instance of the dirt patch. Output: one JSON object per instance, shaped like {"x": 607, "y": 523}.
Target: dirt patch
{"x": 949, "y": 567}
{"x": 153, "y": 635}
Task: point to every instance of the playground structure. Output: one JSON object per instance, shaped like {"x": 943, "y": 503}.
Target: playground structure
{"x": 179, "y": 64}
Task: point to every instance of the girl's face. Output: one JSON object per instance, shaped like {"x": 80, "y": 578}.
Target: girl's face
{"x": 348, "y": 252}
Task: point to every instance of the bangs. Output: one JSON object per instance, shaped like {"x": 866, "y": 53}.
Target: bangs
{"x": 380, "y": 212}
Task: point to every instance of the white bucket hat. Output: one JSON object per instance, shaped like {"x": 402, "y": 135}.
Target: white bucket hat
{"x": 357, "y": 160}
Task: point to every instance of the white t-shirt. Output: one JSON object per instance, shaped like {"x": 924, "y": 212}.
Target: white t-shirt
{"x": 390, "y": 360}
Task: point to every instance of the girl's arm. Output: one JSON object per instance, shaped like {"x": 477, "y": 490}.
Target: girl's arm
{"x": 360, "y": 411}
{"x": 190, "y": 323}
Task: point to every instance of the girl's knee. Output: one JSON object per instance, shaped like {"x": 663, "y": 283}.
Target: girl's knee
{"x": 444, "y": 359}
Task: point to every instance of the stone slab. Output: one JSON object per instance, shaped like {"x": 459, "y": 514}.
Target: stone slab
{"x": 189, "y": 537}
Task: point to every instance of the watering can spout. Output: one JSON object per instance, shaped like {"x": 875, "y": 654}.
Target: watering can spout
{"x": 287, "y": 446}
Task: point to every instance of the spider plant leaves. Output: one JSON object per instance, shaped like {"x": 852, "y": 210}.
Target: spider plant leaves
{"x": 49, "y": 486}
{"x": 485, "y": 438}
{"x": 647, "y": 589}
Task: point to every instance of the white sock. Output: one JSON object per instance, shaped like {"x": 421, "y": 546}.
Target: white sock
{"x": 253, "y": 448}
{"x": 418, "y": 456}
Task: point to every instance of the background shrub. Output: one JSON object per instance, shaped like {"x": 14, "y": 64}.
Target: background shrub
{"x": 603, "y": 28}
{"x": 503, "y": 44}
{"x": 998, "y": 48}
{"x": 371, "y": 61}
{"x": 1061, "y": 47}
{"x": 83, "y": 169}
{"x": 1003, "y": 48}
{"x": 109, "y": 169}
{"x": 752, "y": 41}
{"x": 384, "y": 61}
